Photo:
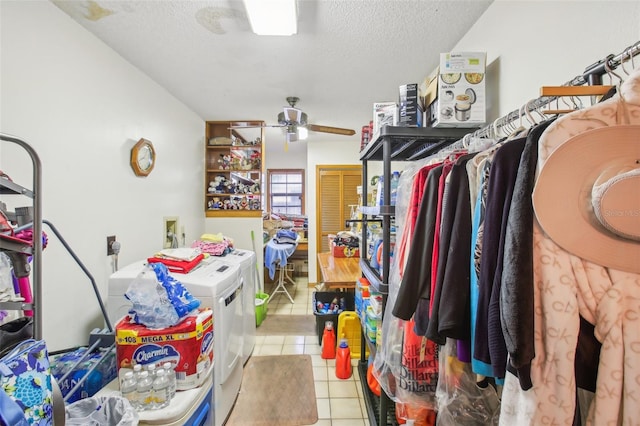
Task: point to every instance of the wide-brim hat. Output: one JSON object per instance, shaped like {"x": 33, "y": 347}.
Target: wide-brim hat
{"x": 587, "y": 196}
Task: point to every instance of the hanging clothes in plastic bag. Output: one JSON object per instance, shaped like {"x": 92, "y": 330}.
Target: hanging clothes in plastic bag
{"x": 461, "y": 400}
{"x": 405, "y": 364}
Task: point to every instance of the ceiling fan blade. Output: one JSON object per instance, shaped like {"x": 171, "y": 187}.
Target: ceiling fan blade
{"x": 328, "y": 129}
{"x": 253, "y": 127}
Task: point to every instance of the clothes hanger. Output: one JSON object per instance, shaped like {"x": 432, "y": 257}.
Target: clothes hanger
{"x": 516, "y": 131}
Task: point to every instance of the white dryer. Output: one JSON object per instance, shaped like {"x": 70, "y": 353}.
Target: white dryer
{"x": 217, "y": 285}
{"x": 246, "y": 259}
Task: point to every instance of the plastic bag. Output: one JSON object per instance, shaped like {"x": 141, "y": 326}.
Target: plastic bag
{"x": 460, "y": 400}
{"x": 406, "y": 365}
{"x": 159, "y": 300}
{"x": 101, "y": 411}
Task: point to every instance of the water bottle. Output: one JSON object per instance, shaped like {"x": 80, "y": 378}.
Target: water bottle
{"x": 171, "y": 377}
{"x": 161, "y": 396}
{"x": 128, "y": 389}
{"x": 343, "y": 360}
{"x": 395, "y": 180}
{"x": 137, "y": 369}
{"x": 151, "y": 368}
{"x": 144, "y": 389}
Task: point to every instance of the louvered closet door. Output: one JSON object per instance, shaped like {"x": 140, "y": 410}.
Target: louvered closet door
{"x": 336, "y": 191}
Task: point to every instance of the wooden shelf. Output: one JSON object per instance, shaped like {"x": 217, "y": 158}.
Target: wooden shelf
{"x": 233, "y": 213}
{"x": 245, "y": 150}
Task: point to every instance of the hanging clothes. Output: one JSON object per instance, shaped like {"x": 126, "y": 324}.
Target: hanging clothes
{"x": 416, "y": 280}
{"x": 451, "y": 317}
{"x": 516, "y": 292}
{"x": 567, "y": 286}
{"x": 499, "y": 191}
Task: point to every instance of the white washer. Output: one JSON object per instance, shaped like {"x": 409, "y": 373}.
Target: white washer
{"x": 219, "y": 286}
{"x": 246, "y": 259}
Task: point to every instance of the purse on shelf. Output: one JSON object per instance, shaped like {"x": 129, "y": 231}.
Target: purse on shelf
{"x": 14, "y": 332}
{"x": 25, "y": 377}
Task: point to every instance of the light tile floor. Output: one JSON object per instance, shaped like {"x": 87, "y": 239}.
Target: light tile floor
{"x": 340, "y": 402}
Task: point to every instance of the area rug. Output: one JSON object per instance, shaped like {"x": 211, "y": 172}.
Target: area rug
{"x": 287, "y": 325}
{"x": 276, "y": 390}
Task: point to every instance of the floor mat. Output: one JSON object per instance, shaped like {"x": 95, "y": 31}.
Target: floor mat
{"x": 276, "y": 390}
{"x": 287, "y": 325}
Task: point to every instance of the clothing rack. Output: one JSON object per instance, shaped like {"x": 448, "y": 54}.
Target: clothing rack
{"x": 592, "y": 75}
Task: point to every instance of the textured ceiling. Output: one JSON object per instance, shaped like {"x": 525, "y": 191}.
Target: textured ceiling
{"x": 347, "y": 53}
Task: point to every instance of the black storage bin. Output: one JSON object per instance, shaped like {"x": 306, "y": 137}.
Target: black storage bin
{"x": 326, "y": 297}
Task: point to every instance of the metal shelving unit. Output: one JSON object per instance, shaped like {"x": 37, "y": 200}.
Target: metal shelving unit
{"x": 34, "y": 249}
{"x": 392, "y": 144}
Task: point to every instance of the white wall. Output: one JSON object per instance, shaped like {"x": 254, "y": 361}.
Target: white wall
{"x": 530, "y": 44}
{"x": 343, "y": 152}
{"x": 82, "y": 107}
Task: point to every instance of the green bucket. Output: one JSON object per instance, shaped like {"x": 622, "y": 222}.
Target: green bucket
{"x": 261, "y": 307}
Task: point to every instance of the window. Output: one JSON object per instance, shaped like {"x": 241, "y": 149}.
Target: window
{"x": 286, "y": 191}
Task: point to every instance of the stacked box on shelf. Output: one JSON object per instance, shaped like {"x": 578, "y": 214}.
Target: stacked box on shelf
{"x": 326, "y": 298}
{"x": 372, "y": 324}
{"x": 361, "y": 297}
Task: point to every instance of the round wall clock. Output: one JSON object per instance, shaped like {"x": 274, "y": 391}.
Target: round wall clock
{"x": 143, "y": 157}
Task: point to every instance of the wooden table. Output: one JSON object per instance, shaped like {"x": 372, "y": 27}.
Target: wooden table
{"x": 339, "y": 272}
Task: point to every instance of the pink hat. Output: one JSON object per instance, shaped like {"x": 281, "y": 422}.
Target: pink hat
{"x": 587, "y": 196}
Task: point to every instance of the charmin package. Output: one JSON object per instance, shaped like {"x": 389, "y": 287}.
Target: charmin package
{"x": 454, "y": 96}
{"x": 187, "y": 345}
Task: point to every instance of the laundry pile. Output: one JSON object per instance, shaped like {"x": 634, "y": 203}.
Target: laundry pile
{"x": 181, "y": 260}
{"x": 285, "y": 236}
{"x": 214, "y": 244}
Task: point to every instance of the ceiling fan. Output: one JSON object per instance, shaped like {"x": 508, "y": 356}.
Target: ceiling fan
{"x": 292, "y": 119}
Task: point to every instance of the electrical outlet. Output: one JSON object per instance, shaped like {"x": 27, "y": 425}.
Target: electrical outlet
{"x": 110, "y": 241}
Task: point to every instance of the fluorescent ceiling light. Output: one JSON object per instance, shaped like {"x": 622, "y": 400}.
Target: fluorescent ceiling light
{"x": 272, "y": 17}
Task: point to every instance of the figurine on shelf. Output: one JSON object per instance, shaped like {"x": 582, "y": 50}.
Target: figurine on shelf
{"x": 256, "y": 160}
{"x": 229, "y": 186}
{"x": 220, "y": 182}
{"x": 235, "y": 163}
{"x": 244, "y": 203}
{"x": 254, "y": 188}
{"x": 255, "y": 204}
{"x": 216, "y": 204}
{"x": 225, "y": 161}
{"x": 246, "y": 164}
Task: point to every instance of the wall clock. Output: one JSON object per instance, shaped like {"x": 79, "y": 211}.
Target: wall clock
{"x": 143, "y": 157}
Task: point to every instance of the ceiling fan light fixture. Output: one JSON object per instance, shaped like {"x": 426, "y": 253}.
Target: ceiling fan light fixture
{"x": 272, "y": 17}
{"x": 292, "y": 115}
{"x": 303, "y": 133}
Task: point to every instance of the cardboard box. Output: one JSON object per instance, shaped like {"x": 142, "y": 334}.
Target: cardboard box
{"x": 384, "y": 114}
{"x": 455, "y": 95}
{"x": 410, "y": 111}
{"x": 187, "y": 345}
{"x": 344, "y": 251}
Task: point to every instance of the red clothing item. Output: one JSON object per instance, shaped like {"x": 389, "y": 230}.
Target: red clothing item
{"x": 179, "y": 266}
{"x": 417, "y": 191}
{"x": 446, "y": 169}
